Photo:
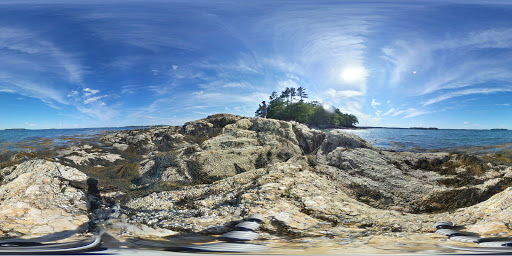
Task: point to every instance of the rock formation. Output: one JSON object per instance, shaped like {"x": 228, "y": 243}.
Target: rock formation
{"x": 36, "y": 198}
{"x": 203, "y": 176}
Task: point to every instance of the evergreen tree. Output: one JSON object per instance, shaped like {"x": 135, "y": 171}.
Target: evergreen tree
{"x": 273, "y": 96}
{"x": 285, "y": 94}
{"x": 293, "y": 93}
{"x": 301, "y": 92}
{"x": 312, "y": 113}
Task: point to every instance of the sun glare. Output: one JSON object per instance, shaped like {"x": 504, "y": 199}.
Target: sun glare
{"x": 353, "y": 74}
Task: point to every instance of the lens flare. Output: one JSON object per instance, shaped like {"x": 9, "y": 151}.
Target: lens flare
{"x": 354, "y": 74}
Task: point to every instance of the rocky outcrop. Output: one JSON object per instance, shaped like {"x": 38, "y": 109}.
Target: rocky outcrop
{"x": 36, "y": 198}
{"x": 245, "y": 145}
{"x": 222, "y": 146}
{"x": 209, "y": 173}
{"x": 293, "y": 200}
{"x": 87, "y": 155}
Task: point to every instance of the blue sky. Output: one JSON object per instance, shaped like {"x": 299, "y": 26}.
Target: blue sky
{"x": 105, "y": 63}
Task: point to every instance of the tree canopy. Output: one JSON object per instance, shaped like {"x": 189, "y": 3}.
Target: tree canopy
{"x": 312, "y": 113}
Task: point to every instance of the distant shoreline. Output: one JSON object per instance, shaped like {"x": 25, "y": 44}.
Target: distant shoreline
{"x": 424, "y": 128}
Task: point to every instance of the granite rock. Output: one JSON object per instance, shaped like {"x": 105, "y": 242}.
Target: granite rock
{"x": 224, "y": 168}
{"x": 36, "y": 199}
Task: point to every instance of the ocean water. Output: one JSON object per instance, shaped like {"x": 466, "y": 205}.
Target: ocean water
{"x": 16, "y": 140}
{"x": 417, "y": 140}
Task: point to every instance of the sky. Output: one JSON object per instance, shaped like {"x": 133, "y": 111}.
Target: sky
{"x": 64, "y": 64}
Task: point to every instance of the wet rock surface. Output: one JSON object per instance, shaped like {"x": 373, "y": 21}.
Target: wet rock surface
{"x": 203, "y": 177}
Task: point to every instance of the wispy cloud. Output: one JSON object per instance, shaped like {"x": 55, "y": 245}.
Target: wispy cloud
{"x": 29, "y": 60}
{"x": 21, "y": 45}
{"x": 235, "y": 85}
{"x": 410, "y": 112}
{"x": 21, "y": 86}
{"x": 89, "y": 92}
{"x": 147, "y": 61}
{"x": 432, "y": 58}
{"x": 375, "y": 103}
{"x": 101, "y": 114}
{"x": 93, "y": 99}
{"x": 343, "y": 93}
{"x": 460, "y": 93}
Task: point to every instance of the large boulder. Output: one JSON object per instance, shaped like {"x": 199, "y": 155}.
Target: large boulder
{"x": 36, "y": 198}
{"x": 309, "y": 139}
{"x": 245, "y": 145}
{"x": 371, "y": 177}
{"x": 210, "y": 126}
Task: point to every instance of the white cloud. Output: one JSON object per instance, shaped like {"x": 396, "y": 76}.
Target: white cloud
{"x": 130, "y": 89}
{"x": 235, "y": 85}
{"x": 92, "y": 99}
{"x": 106, "y": 115}
{"x": 38, "y": 53}
{"x": 410, "y": 112}
{"x": 7, "y": 90}
{"x": 415, "y": 112}
{"x": 406, "y": 55}
{"x": 460, "y": 93}
{"x": 490, "y": 38}
{"x": 199, "y": 93}
{"x": 282, "y": 85}
{"x": 375, "y": 103}
{"x": 389, "y": 112}
{"x": 40, "y": 91}
{"x": 333, "y": 93}
{"x": 73, "y": 93}
{"x": 89, "y": 92}
{"x": 280, "y": 63}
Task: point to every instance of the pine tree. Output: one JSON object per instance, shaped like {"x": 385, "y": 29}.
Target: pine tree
{"x": 301, "y": 92}
{"x": 293, "y": 93}
{"x": 285, "y": 94}
{"x": 273, "y": 96}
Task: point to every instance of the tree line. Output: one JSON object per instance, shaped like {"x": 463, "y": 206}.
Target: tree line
{"x": 283, "y": 107}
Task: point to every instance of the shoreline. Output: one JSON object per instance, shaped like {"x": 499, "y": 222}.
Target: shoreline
{"x": 206, "y": 176}
{"x": 34, "y": 145}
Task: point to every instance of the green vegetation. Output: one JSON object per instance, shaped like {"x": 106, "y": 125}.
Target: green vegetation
{"x": 282, "y": 107}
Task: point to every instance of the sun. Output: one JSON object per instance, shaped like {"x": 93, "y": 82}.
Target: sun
{"x": 353, "y": 74}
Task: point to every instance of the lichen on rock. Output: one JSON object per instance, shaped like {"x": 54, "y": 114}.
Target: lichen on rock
{"x": 203, "y": 176}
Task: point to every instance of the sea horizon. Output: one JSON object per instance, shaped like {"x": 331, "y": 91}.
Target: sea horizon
{"x": 427, "y": 128}
{"x": 413, "y": 139}
{"x": 421, "y": 140}
{"x": 78, "y": 128}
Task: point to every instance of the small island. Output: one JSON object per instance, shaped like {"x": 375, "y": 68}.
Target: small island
{"x": 313, "y": 113}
